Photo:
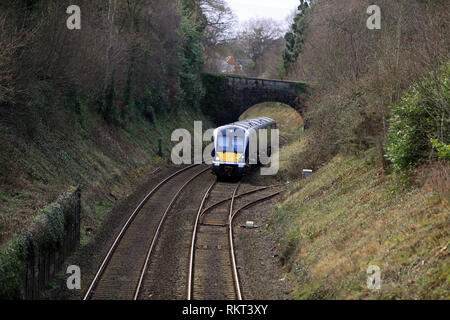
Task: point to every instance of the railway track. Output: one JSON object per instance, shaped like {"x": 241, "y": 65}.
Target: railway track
{"x": 213, "y": 271}
{"x": 122, "y": 270}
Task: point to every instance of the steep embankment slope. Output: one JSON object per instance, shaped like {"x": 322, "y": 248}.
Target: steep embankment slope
{"x": 348, "y": 216}
{"x": 78, "y": 149}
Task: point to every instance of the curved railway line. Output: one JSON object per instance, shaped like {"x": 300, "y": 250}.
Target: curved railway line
{"x": 120, "y": 273}
{"x": 212, "y": 269}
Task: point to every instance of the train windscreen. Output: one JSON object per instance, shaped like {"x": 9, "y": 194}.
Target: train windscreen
{"x": 231, "y": 140}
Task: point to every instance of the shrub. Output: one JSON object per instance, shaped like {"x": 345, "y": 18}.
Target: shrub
{"x": 339, "y": 122}
{"x": 422, "y": 116}
{"x": 442, "y": 148}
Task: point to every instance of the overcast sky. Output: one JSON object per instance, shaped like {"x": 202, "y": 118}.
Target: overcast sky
{"x": 275, "y": 9}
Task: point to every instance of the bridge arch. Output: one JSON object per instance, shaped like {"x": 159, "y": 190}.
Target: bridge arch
{"x": 228, "y": 96}
{"x": 289, "y": 121}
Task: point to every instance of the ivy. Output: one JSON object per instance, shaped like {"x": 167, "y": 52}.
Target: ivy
{"x": 12, "y": 266}
{"x": 212, "y": 100}
{"x": 46, "y": 234}
{"x": 191, "y": 56}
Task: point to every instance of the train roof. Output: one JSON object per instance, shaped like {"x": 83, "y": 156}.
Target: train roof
{"x": 255, "y": 123}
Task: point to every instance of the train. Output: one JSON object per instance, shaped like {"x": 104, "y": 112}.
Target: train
{"x": 231, "y": 154}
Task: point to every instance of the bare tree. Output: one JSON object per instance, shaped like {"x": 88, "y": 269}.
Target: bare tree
{"x": 257, "y": 36}
{"x": 359, "y": 73}
{"x": 219, "y": 30}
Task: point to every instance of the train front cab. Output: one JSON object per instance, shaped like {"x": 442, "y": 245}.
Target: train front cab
{"x": 229, "y": 156}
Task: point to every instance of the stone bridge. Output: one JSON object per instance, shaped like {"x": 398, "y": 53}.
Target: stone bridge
{"x": 228, "y": 96}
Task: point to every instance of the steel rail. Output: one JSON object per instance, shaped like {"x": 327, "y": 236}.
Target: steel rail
{"x": 194, "y": 236}
{"x": 237, "y": 196}
{"x": 155, "y": 236}
{"x": 250, "y": 204}
{"x": 230, "y": 236}
{"x": 124, "y": 228}
{"x": 233, "y": 257}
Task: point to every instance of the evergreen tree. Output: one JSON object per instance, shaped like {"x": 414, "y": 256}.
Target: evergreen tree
{"x": 295, "y": 38}
{"x": 191, "y": 54}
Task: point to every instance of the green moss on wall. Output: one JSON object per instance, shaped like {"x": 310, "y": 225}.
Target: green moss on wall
{"x": 47, "y": 234}
{"x": 12, "y": 266}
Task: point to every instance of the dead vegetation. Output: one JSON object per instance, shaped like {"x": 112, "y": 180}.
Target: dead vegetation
{"x": 358, "y": 73}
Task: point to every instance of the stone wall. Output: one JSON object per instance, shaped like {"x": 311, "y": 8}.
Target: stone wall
{"x": 33, "y": 258}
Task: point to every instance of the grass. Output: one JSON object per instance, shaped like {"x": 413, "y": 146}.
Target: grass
{"x": 347, "y": 216}
{"x": 101, "y": 207}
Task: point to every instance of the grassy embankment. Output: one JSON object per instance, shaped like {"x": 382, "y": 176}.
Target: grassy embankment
{"x": 78, "y": 149}
{"x": 348, "y": 216}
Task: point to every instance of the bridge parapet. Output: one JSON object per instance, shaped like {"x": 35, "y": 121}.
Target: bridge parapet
{"x": 228, "y": 96}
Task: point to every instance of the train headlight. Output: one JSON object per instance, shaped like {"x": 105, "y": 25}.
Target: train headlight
{"x": 217, "y": 158}
{"x": 241, "y": 159}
